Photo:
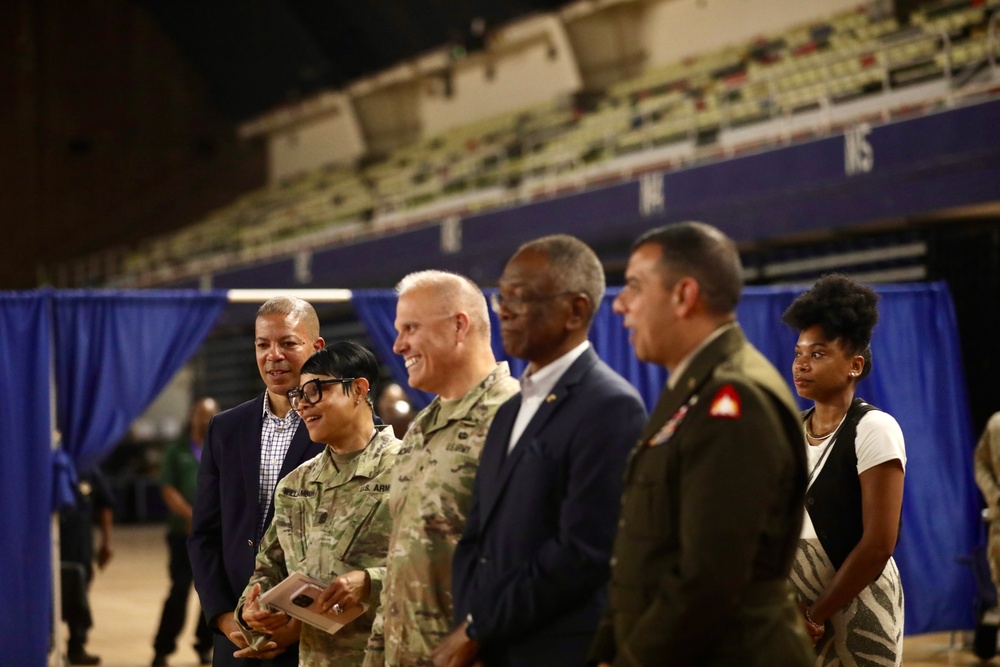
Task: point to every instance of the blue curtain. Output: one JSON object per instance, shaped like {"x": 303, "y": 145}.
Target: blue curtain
{"x": 916, "y": 377}
{"x": 115, "y": 351}
{"x": 25, "y": 477}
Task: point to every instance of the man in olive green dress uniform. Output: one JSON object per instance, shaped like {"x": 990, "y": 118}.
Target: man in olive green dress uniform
{"x": 712, "y": 505}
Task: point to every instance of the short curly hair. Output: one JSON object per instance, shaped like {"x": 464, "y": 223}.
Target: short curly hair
{"x": 844, "y": 310}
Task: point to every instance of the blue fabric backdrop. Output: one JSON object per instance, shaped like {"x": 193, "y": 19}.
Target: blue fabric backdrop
{"x": 25, "y": 477}
{"x": 916, "y": 376}
{"x": 114, "y": 352}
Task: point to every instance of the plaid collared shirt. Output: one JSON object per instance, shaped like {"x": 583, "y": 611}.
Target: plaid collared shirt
{"x": 275, "y": 439}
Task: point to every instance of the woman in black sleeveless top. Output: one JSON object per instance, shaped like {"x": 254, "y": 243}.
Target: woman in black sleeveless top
{"x": 847, "y": 582}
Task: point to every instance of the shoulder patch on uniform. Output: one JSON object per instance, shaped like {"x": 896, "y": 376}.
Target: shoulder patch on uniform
{"x": 726, "y": 403}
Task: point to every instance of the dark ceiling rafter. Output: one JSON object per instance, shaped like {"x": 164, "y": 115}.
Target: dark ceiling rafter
{"x": 259, "y": 54}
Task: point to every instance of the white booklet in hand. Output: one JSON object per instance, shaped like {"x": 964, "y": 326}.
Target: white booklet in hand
{"x": 298, "y": 596}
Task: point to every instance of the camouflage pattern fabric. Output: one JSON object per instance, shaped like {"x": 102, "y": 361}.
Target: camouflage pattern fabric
{"x": 987, "y": 469}
{"x": 429, "y": 500}
{"x": 328, "y": 523}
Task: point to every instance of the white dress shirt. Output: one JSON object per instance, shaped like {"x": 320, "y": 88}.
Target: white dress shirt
{"x": 536, "y": 386}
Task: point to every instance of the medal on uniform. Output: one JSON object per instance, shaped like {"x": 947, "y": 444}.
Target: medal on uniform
{"x": 667, "y": 430}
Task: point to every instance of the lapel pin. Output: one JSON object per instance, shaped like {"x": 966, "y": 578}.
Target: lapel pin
{"x": 550, "y": 398}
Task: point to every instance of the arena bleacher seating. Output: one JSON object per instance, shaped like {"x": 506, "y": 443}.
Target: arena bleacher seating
{"x": 534, "y": 152}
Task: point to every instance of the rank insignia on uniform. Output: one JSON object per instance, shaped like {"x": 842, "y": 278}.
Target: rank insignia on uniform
{"x": 726, "y": 403}
{"x": 667, "y": 430}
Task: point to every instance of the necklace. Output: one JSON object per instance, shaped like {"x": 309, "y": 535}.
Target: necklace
{"x": 819, "y": 436}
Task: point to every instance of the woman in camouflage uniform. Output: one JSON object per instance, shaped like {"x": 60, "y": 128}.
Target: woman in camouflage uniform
{"x": 331, "y": 519}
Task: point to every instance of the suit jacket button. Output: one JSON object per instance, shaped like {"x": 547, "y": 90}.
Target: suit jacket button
{"x": 621, "y": 523}
{"x": 484, "y": 560}
{"x": 614, "y": 561}
{"x": 810, "y": 501}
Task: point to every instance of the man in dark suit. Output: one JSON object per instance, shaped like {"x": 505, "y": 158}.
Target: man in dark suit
{"x": 530, "y": 572}
{"x": 712, "y": 506}
{"x": 247, "y": 450}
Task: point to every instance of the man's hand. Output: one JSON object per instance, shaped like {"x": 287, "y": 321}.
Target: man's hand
{"x": 456, "y": 650}
{"x": 265, "y": 652}
{"x": 104, "y": 555}
{"x": 346, "y": 591}
{"x": 227, "y": 626}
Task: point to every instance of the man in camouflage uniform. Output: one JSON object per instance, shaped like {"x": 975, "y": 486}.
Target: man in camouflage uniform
{"x": 331, "y": 516}
{"x": 987, "y": 467}
{"x": 444, "y": 336}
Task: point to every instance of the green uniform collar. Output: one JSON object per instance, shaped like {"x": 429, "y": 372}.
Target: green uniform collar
{"x": 439, "y": 414}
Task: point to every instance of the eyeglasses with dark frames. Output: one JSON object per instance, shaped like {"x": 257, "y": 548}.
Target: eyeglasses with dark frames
{"x": 518, "y": 305}
{"x": 312, "y": 392}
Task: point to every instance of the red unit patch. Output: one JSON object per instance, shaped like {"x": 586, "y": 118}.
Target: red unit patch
{"x": 726, "y": 404}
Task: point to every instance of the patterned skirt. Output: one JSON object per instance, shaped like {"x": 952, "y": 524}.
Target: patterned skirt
{"x": 869, "y": 630}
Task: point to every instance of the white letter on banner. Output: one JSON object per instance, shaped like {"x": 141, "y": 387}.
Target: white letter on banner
{"x": 451, "y": 235}
{"x": 303, "y": 267}
{"x": 651, "y": 193}
{"x": 859, "y": 157}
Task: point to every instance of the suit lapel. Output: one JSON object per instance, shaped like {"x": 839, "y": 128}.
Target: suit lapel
{"x": 296, "y": 455}
{"x": 491, "y": 464}
{"x": 248, "y": 446}
{"x": 560, "y": 393}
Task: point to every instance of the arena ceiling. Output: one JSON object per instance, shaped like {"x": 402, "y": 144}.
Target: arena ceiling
{"x": 257, "y": 54}
{"x": 121, "y": 117}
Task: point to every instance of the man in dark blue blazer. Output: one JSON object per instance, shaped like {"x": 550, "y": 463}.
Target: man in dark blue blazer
{"x": 530, "y": 572}
{"x": 247, "y": 450}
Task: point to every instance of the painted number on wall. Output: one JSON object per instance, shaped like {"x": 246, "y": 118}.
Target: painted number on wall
{"x": 651, "y": 193}
{"x": 859, "y": 158}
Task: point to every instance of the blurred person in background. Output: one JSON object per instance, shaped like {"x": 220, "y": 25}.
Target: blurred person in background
{"x": 847, "y": 582}
{"x": 179, "y": 486}
{"x": 94, "y": 501}
{"x": 986, "y": 463}
{"x": 394, "y": 408}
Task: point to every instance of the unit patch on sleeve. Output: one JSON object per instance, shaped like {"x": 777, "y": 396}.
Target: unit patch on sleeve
{"x": 726, "y": 403}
